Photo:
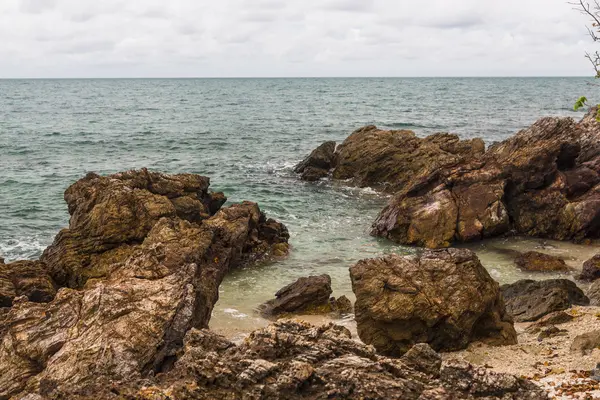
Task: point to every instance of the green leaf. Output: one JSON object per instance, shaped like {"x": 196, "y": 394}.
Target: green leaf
{"x": 580, "y": 103}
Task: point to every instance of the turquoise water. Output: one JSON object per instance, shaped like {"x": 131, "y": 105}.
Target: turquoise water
{"x": 246, "y": 134}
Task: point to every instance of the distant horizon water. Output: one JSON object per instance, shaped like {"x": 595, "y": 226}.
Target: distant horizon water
{"x": 246, "y": 134}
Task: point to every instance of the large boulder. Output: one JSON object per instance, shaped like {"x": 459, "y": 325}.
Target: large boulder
{"x": 528, "y": 300}
{"x": 294, "y": 360}
{"x": 388, "y": 159}
{"x": 591, "y": 269}
{"x": 444, "y": 298}
{"x": 25, "y": 278}
{"x": 307, "y": 295}
{"x": 137, "y": 270}
{"x": 542, "y": 182}
{"x": 534, "y": 261}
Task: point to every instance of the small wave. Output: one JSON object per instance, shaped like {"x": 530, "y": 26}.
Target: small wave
{"x": 235, "y": 313}
{"x": 19, "y": 249}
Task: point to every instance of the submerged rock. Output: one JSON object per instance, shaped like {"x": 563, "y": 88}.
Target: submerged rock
{"x": 294, "y": 360}
{"x": 139, "y": 265}
{"x": 591, "y": 269}
{"x": 310, "y": 295}
{"x": 444, "y": 298}
{"x": 535, "y": 261}
{"x": 542, "y": 182}
{"x": 528, "y": 300}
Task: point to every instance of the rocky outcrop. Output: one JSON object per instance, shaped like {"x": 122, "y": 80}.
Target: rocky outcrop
{"x": 25, "y": 278}
{"x": 293, "y": 360}
{"x": 534, "y": 261}
{"x": 310, "y": 295}
{"x": 139, "y": 265}
{"x": 388, "y": 160}
{"x": 444, "y": 298}
{"x": 529, "y": 300}
{"x": 318, "y": 163}
{"x": 585, "y": 343}
{"x": 591, "y": 269}
{"x": 542, "y": 182}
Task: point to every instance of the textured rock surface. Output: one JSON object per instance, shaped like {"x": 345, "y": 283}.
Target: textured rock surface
{"x": 25, "y": 278}
{"x": 543, "y": 182}
{"x": 529, "y": 300}
{"x": 593, "y": 293}
{"x": 444, "y": 298}
{"x": 535, "y": 261}
{"x": 140, "y": 264}
{"x": 591, "y": 269}
{"x": 293, "y": 360}
{"x": 586, "y": 342}
{"x": 387, "y": 160}
{"x": 307, "y": 295}
{"x": 318, "y": 163}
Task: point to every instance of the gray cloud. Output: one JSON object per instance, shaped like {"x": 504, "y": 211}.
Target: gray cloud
{"x": 78, "y": 38}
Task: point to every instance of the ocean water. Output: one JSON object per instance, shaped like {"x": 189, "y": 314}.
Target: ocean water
{"x": 247, "y": 134}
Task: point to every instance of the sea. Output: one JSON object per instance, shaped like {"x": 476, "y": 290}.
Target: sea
{"x": 247, "y": 135}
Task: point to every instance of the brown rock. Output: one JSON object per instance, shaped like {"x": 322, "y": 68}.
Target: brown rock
{"x": 591, "y": 269}
{"x": 144, "y": 277}
{"x": 555, "y": 318}
{"x": 593, "y": 293}
{"x": 444, "y": 298}
{"x": 318, "y": 164}
{"x": 293, "y": 360}
{"x": 529, "y": 300}
{"x": 585, "y": 343}
{"x": 25, "y": 278}
{"x": 535, "y": 261}
{"x": 310, "y": 295}
{"x": 538, "y": 183}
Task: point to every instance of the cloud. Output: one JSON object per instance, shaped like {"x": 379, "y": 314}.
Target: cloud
{"x": 85, "y": 38}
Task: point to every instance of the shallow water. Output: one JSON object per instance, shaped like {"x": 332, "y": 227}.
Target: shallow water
{"x": 246, "y": 134}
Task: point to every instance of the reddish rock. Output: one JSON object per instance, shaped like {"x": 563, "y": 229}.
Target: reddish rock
{"x": 591, "y": 269}
{"x": 535, "y": 261}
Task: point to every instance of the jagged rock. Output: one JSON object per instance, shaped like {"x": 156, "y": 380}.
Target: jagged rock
{"x": 542, "y": 182}
{"x": 293, "y": 360}
{"x": 591, "y": 269}
{"x": 140, "y": 268}
{"x": 593, "y": 293}
{"x": 318, "y": 163}
{"x": 535, "y": 261}
{"x": 555, "y": 318}
{"x": 444, "y": 298}
{"x": 585, "y": 343}
{"x": 528, "y": 300}
{"x": 388, "y": 159}
{"x": 307, "y": 295}
{"x": 421, "y": 357}
{"x": 25, "y": 278}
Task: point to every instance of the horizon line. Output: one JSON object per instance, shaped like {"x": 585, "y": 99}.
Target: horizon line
{"x": 304, "y": 77}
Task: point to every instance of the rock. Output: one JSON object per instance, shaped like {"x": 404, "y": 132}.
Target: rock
{"x": 550, "y": 332}
{"x": 529, "y": 300}
{"x": 555, "y": 318}
{"x": 294, "y": 360}
{"x": 386, "y": 159}
{"x": 310, "y": 295}
{"x": 593, "y": 293}
{"x": 535, "y": 261}
{"x": 25, "y": 278}
{"x": 591, "y": 269}
{"x": 444, "y": 298}
{"x": 139, "y": 267}
{"x": 318, "y": 163}
{"x": 585, "y": 343}
{"x": 542, "y": 182}
{"x": 421, "y": 357}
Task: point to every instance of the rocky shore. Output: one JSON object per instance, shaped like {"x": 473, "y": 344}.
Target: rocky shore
{"x": 118, "y": 306}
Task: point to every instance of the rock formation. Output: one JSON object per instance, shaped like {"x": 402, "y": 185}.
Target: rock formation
{"x": 388, "y": 160}
{"x": 542, "y": 182}
{"x": 529, "y": 300}
{"x": 25, "y": 278}
{"x": 310, "y": 295}
{"x": 591, "y": 269}
{"x": 139, "y": 265}
{"x": 292, "y": 360}
{"x": 535, "y": 261}
{"x": 444, "y": 298}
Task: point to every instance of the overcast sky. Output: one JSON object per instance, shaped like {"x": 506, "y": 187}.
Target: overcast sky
{"x": 188, "y": 38}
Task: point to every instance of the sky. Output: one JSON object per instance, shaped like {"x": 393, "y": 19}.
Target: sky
{"x": 291, "y": 38}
